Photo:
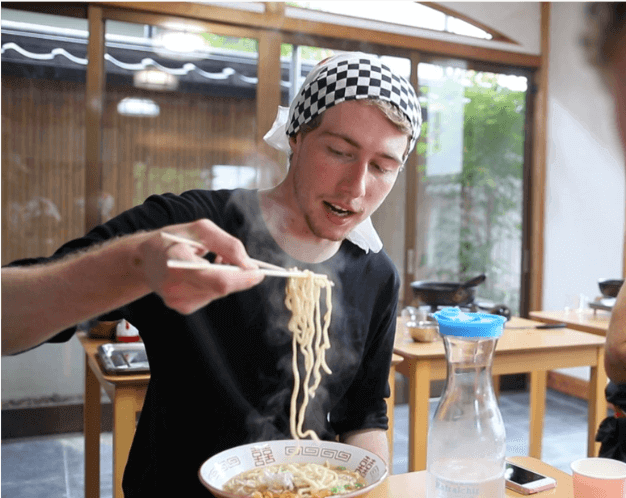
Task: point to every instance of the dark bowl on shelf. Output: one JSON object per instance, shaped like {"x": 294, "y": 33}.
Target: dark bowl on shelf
{"x": 609, "y": 287}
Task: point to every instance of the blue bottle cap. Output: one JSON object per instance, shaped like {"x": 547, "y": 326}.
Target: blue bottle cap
{"x": 452, "y": 321}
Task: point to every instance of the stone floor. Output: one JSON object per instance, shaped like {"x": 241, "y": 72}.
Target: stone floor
{"x": 52, "y": 466}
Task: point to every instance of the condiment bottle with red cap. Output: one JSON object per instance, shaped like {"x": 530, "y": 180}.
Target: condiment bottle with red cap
{"x": 125, "y": 332}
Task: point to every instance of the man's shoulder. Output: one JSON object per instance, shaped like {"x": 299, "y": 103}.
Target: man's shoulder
{"x": 377, "y": 259}
{"x": 201, "y": 196}
{"x": 377, "y": 265}
{"x": 200, "y": 203}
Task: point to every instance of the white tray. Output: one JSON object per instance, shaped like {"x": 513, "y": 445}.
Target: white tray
{"x": 122, "y": 358}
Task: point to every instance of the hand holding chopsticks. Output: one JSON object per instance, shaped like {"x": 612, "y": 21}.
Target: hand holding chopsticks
{"x": 193, "y": 243}
{"x": 267, "y": 269}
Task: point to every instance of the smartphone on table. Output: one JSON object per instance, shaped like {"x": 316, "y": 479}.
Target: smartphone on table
{"x": 526, "y": 481}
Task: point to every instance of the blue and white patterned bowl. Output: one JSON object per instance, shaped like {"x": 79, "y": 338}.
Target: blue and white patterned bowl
{"x": 218, "y": 469}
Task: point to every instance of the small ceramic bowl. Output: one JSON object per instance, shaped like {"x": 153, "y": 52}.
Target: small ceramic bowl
{"x": 423, "y": 331}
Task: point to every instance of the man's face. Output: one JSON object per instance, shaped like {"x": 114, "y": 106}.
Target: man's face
{"x": 344, "y": 169}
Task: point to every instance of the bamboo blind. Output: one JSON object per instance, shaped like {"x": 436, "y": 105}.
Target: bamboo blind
{"x": 177, "y": 150}
{"x": 43, "y": 133}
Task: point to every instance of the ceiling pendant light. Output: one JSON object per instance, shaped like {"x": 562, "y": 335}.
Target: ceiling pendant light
{"x": 144, "y": 108}
{"x": 153, "y": 78}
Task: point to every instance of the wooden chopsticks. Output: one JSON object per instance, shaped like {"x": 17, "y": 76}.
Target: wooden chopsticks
{"x": 268, "y": 269}
{"x": 193, "y": 243}
{"x": 205, "y": 265}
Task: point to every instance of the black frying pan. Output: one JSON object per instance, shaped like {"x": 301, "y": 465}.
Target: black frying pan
{"x": 446, "y": 293}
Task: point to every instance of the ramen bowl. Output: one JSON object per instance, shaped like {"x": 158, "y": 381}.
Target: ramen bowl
{"x": 217, "y": 470}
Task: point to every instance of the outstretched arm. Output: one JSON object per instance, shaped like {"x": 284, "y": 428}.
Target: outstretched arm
{"x": 615, "y": 359}
{"x": 40, "y": 301}
{"x": 374, "y": 440}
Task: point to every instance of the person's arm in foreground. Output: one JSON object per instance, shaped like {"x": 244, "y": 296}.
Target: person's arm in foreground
{"x": 42, "y": 300}
{"x": 374, "y": 440}
{"x": 615, "y": 359}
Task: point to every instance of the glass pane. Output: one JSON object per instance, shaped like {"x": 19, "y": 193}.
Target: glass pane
{"x": 180, "y": 114}
{"x": 43, "y": 132}
{"x": 297, "y": 61}
{"x": 395, "y": 12}
{"x": 471, "y": 184}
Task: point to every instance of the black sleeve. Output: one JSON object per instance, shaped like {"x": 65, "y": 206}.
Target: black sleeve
{"x": 364, "y": 405}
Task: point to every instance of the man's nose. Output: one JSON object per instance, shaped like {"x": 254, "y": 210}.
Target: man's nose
{"x": 354, "y": 181}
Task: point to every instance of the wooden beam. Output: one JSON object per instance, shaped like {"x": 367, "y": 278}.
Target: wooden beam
{"x": 412, "y": 190}
{"x": 268, "y": 91}
{"x": 497, "y": 35}
{"x": 538, "y": 167}
{"x": 66, "y": 9}
{"x": 94, "y": 108}
{"x": 273, "y": 19}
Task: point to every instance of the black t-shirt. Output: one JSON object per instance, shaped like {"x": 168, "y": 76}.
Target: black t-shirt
{"x": 222, "y": 376}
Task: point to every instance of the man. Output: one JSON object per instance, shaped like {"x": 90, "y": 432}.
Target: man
{"x": 217, "y": 341}
{"x": 606, "y": 40}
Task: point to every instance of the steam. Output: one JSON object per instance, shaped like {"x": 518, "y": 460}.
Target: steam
{"x": 270, "y": 420}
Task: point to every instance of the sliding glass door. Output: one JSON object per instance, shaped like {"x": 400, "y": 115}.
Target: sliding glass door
{"x": 470, "y": 181}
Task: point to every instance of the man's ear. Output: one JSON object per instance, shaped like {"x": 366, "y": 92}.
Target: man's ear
{"x": 293, "y": 140}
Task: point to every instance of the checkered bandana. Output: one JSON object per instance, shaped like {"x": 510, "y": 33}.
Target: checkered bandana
{"x": 353, "y": 76}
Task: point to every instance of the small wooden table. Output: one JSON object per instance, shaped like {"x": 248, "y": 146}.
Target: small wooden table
{"x": 518, "y": 351}
{"x": 588, "y": 320}
{"x": 413, "y": 484}
{"x": 127, "y": 393}
{"x": 585, "y": 321}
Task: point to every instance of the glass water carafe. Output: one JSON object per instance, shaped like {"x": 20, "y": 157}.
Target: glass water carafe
{"x": 466, "y": 439}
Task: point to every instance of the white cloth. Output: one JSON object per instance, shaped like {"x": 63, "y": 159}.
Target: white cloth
{"x": 277, "y": 136}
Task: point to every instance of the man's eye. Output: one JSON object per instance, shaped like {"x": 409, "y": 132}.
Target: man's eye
{"x": 379, "y": 168}
{"x": 337, "y": 152}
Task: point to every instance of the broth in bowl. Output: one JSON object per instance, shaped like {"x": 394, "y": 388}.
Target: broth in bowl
{"x": 300, "y": 468}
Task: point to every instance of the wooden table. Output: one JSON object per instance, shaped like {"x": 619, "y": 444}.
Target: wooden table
{"x": 127, "y": 393}
{"x": 586, "y": 321}
{"x": 413, "y": 484}
{"x": 518, "y": 351}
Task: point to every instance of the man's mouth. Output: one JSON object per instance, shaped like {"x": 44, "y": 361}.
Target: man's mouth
{"x": 338, "y": 210}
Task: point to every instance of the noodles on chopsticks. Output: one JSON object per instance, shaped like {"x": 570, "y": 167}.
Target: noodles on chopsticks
{"x": 310, "y": 338}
